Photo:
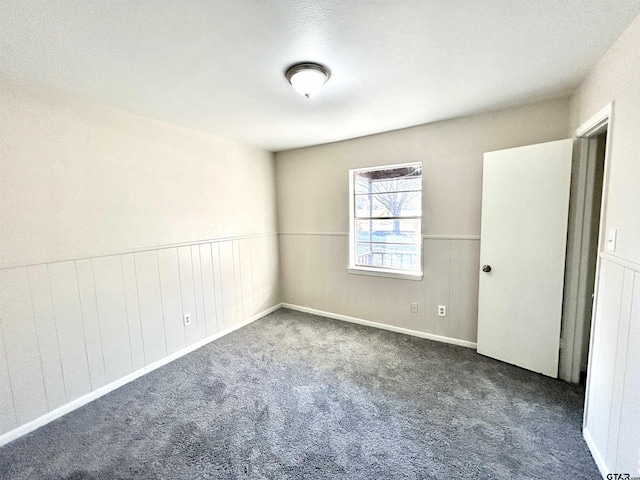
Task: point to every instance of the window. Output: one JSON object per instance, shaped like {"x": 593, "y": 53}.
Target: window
{"x": 385, "y": 221}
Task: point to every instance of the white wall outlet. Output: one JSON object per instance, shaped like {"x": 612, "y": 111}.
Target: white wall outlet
{"x": 442, "y": 310}
{"x": 414, "y": 308}
{"x": 187, "y": 319}
{"x": 611, "y": 239}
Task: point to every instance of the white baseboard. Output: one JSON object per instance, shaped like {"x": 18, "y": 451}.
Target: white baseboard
{"x": 89, "y": 397}
{"x": 360, "y": 321}
{"x": 595, "y": 453}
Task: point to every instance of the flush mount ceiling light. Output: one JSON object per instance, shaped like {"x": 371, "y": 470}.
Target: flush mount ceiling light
{"x": 307, "y": 78}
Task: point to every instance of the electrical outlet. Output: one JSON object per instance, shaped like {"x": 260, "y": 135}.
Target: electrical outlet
{"x": 414, "y": 308}
{"x": 442, "y": 310}
{"x": 187, "y": 319}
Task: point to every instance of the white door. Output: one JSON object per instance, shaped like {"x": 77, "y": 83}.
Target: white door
{"x": 525, "y": 204}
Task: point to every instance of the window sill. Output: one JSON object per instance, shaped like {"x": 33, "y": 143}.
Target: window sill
{"x": 375, "y": 272}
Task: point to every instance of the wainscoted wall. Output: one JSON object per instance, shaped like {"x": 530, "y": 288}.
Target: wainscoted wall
{"x": 312, "y": 204}
{"x": 68, "y": 328}
{"x": 613, "y": 405}
{"x": 314, "y": 275}
{"x": 613, "y": 408}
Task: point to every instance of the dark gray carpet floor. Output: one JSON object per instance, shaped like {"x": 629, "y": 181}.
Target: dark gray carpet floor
{"x": 298, "y": 396}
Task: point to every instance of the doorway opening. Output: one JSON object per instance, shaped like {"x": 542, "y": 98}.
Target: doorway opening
{"x": 584, "y": 240}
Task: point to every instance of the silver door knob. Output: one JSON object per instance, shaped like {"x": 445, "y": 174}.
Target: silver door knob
{"x": 486, "y": 268}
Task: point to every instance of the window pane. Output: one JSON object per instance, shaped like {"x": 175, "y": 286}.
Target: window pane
{"x": 362, "y": 184}
{"x": 387, "y": 215}
{"x": 388, "y": 180}
{"x": 405, "y": 204}
{"x": 391, "y": 231}
{"x": 405, "y": 257}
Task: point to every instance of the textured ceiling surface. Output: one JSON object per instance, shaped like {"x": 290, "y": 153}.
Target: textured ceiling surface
{"x": 217, "y": 66}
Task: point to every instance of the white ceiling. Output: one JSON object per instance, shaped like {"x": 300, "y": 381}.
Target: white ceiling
{"x": 217, "y": 65}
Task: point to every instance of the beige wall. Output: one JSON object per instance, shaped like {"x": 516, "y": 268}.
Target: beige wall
{"x": 615, "y": 79}
{"x": 613, "y": 413}
{"x": 113, "y": 226}
{"x": 312, "y": 186}
{"x": 79, "y": 180}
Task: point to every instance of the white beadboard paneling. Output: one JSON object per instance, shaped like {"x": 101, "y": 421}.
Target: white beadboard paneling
{"x": 47, "y": 335}
{"x": 406, "y": 293}
{"x": 21, "y": 344}
{"x": 363, "y": 299}
{"x": 388, "y": 295}
{"x": 594, "y": 354}
{"x": 246, "y": 275}
{"x": 628, "y": 444}
{"x": 273, "y": 272}
{"x": 270, "y": 278}
{"x": 171, "y": 299}
{"x": 454, "y": 317}
{"x": 622, "y": 343}
{"x": 613, "y": 399}
{"x": 150, "y": 301}
{"x": 228, "y": 283}
{"x": 463, "y": 289}
{"x": 112, "y": 311}
{"x": 442, "y": 268}
{"x": 304, "y": 266}
{"x": 287, "y": 267}
{"x": 606, "y": 331}
{"x": 7, "y": 411}
{"x": 208, "y": 288}
{"x": 351, "y": 288}
{"x": 347, "y": 291}
{"x": 430, "y": 281}
{"x": 384, "y": 294}
{"x": 71, "y": 328}
{"x": 376, "y": 295}
{"x": 296, "y": 272}
{"x": 329, "y": 290}
{"x": 237, "y": 275}
{"x": 316, "y": 271}
{"x": 71, "y": 335}
{"x": 469, "y": 286}
{"x": 355, "y": 288}
{"x": 217, "y": 283}
{"x": 338, "y": 278}
{"x": 402, "y": 299}
{"x": 188, "y": 294}
{"x": 198, "y": 291}
{"x": 84, "y": 400}
{"x": 91, "y": 323}
{"x": 314, "y": 275}
{"x": 258, "y": 268}
{"x": 133, "y": 310}
{"x": 307, "y": 264}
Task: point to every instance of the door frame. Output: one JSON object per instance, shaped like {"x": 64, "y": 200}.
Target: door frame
{"x": 585, "y": 138}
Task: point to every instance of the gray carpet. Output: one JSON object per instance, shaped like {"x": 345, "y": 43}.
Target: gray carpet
{"x": 299, "y": 396}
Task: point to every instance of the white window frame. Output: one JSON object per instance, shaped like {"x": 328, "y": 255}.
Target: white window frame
{"x": 378, "y": 271}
